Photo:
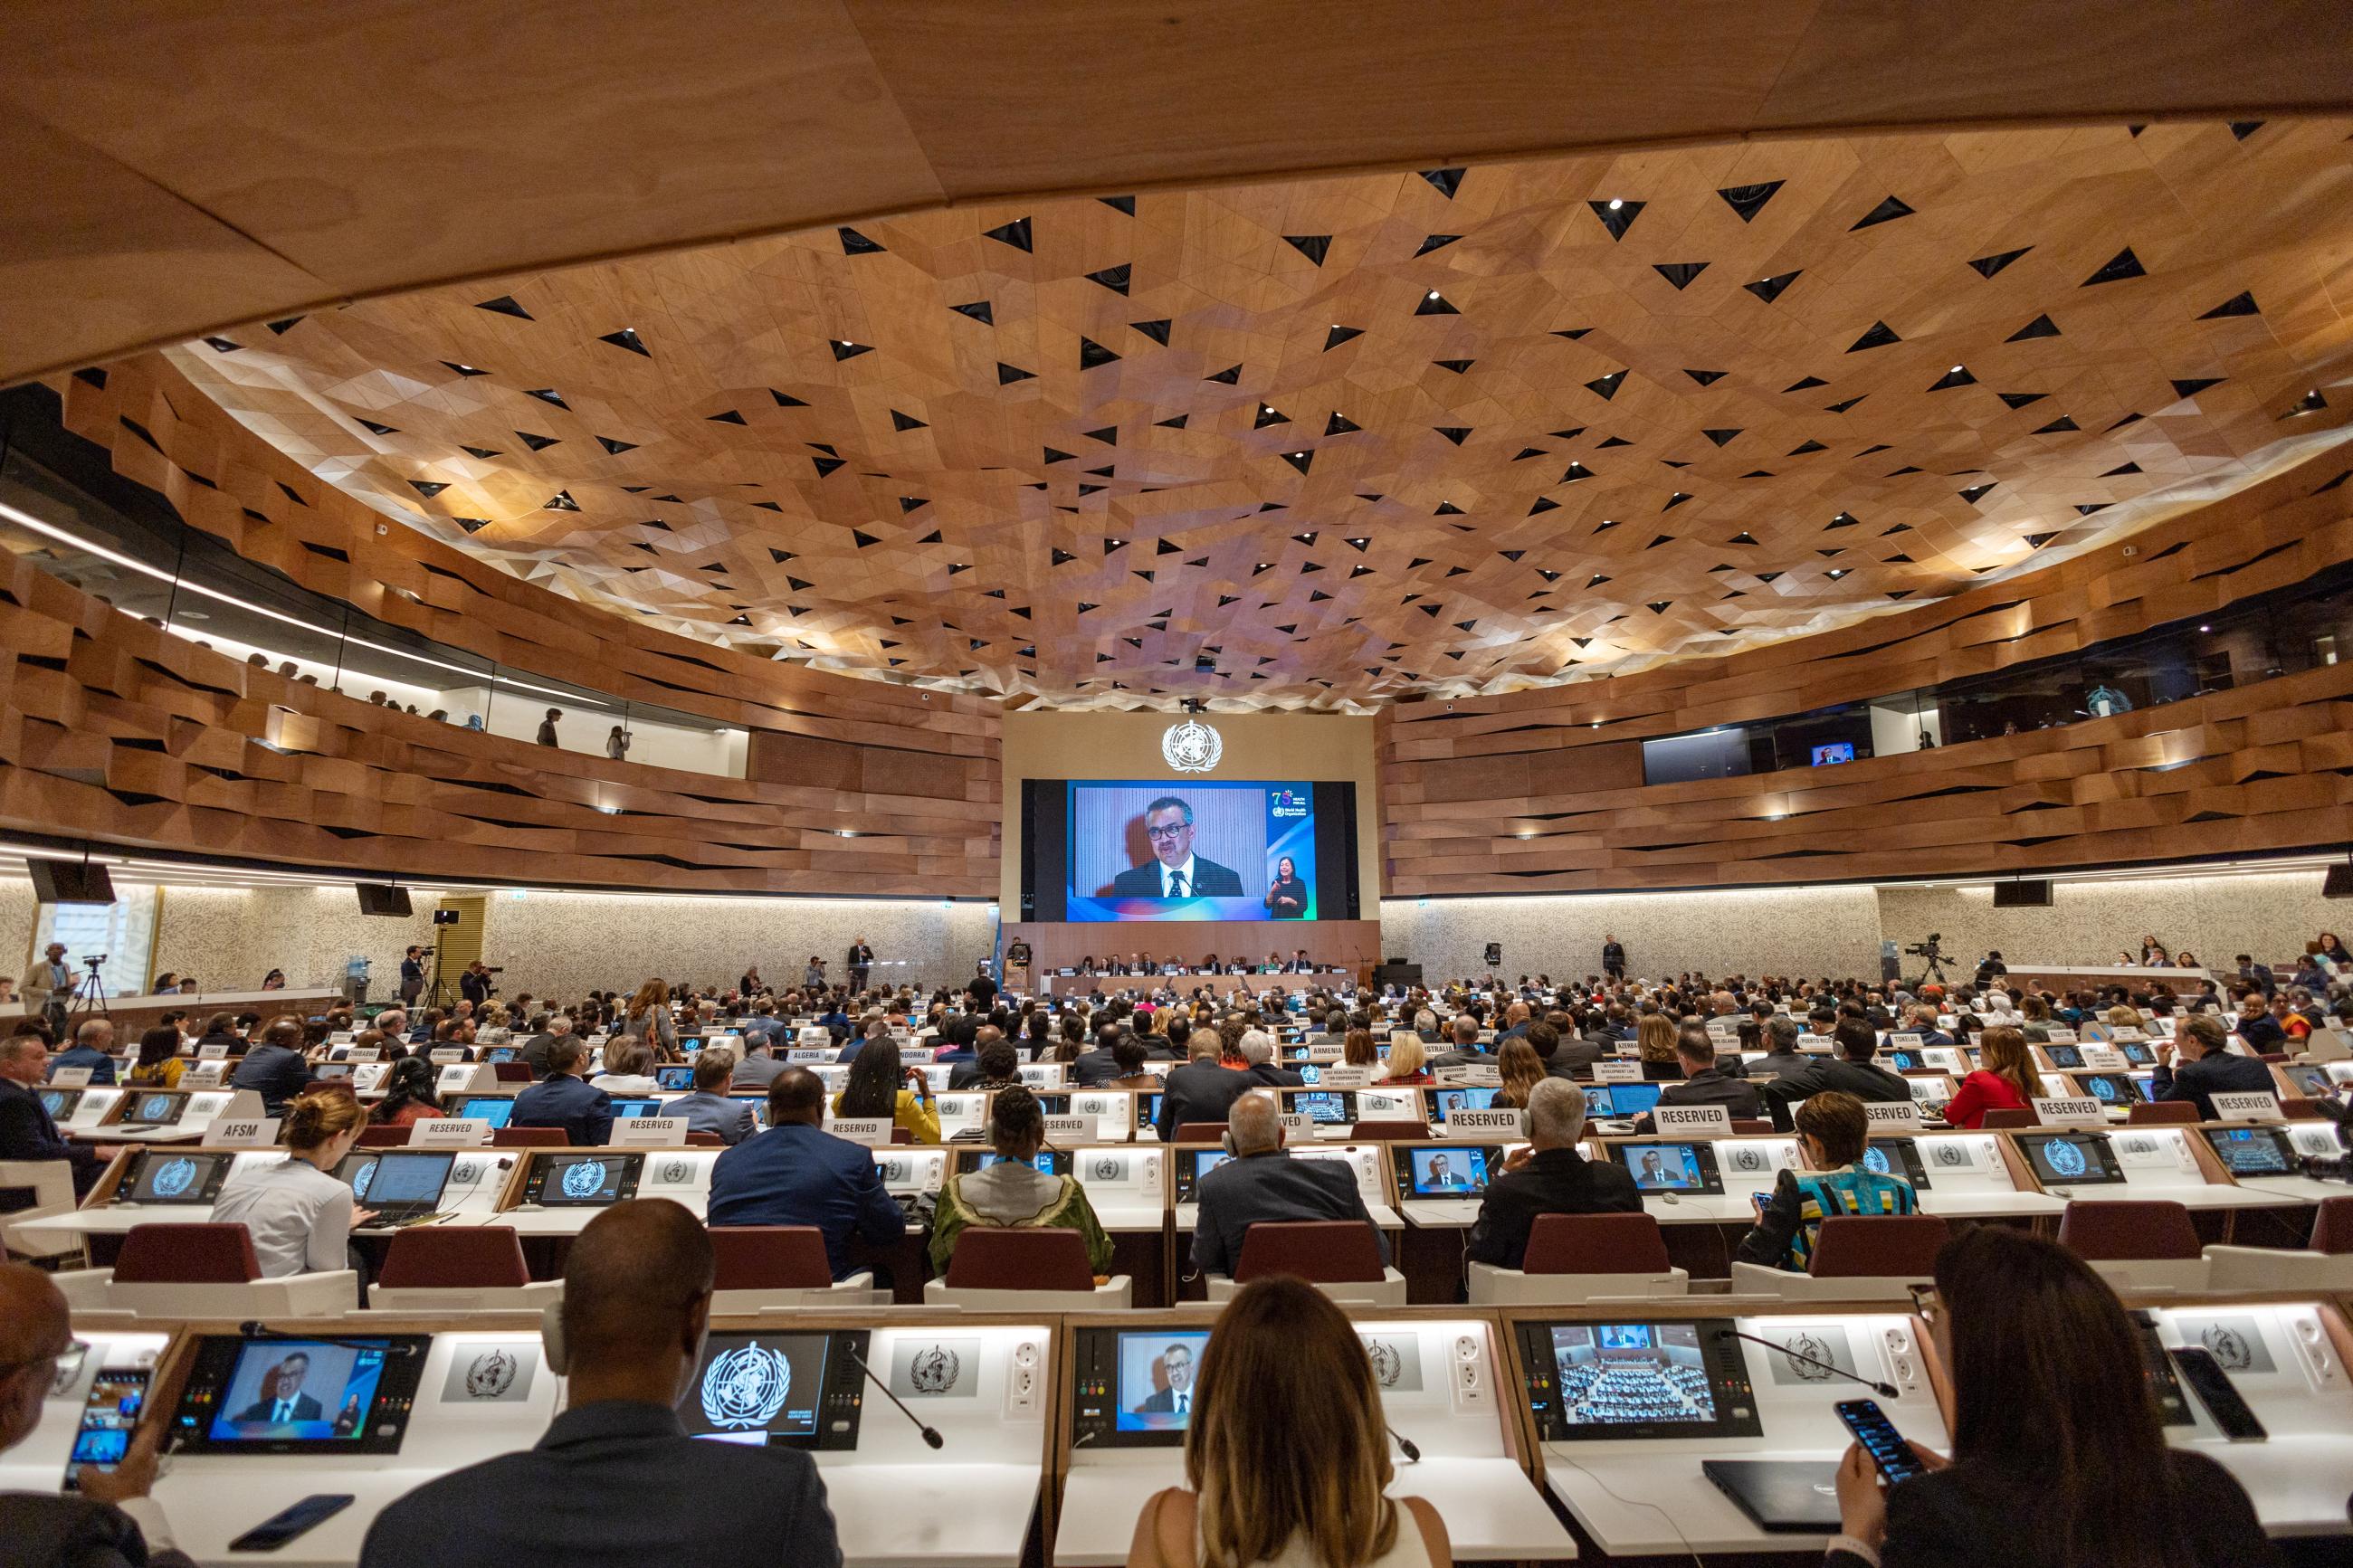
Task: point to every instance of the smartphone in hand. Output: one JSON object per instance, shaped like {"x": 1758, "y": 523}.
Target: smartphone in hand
{"x": 1877, "y": 1434}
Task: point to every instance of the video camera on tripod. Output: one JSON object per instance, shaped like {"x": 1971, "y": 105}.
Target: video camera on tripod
{"x": 1932, "y": 953}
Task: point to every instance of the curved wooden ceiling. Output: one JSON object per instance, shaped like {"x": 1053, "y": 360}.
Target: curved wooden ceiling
{"x": 173, "y": 168}
{"x": 1332, "y": 441}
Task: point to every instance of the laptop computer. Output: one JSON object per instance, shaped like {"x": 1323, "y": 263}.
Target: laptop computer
{"x": 1784, "y": 1496}
{"x": 402, "y": 1185}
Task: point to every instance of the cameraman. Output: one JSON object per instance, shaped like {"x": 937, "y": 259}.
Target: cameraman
{"x": 1991, "y": 970}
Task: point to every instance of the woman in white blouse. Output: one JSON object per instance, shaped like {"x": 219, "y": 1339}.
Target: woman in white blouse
{"x": 628, "y": 1063}
{"x": 300, "y": 1213}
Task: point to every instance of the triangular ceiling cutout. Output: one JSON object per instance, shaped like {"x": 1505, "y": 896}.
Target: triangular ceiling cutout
{"x": 1339, "y": 335}
{"x": 626, "y": 338}
{"x": 1987, "y": 266}
{"x": 1445, "y": 182}
{"x": 1617, "y": 214}
{"x": 2040, "y": 327}
{"x": 1340, "y": 423}
{"x": 979, "y": 311}
{"x": 1771, "y": 288}
{"x": 1015, "y": 234}
{"x": 1092, "y": 354}
{"x": 1678, "y": 273}
{"x": 1231, "y": 376}
{"x": 906, "y": 421}
{"x": 1008, "y": 374}
{"x": 1706, "y": 378}
{"x": 1457, "y": 433}
{"x": 1749, "y": 200}
{"x": 2121, "y": 265}
{"x": 1314, "y": 247}
{"x": 1119, "y": 204}
{"x": 1268, "y": 415}
{"x": 856, "y": 243}
{"x": 504, "y": 305}
{"x": 1433, "y": 303}
{"x": 2238, "y": 304}
{"x": 1437, "y": 242}
{"x": 1886, "y": 211}
{"x": 1721, "y": 438}
{"x": 1156, "y": 330}
{"x": 2192, "y": 388}
{"x": 1606, "y": 388}
{"x": 1880, "y": 335}
{"x": 1112, "y": 278}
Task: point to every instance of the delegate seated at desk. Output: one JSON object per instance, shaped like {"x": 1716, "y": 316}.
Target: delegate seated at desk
{"x": 28, "y": 1131}
{"x": 1200, "y": 1091}
{"x": 2207, "y": 1068}
{"x": 1263, "y": 1182}
{"x": 797, "y": 1173}
{"x": 709, "y": 1109}
{"x": 1833, "y": 1130}
{"x": 113, "y": 1523}
{"x": 1850, "y": 1071}
{"x": 1013, "y": 1194}
{"x": 1703, "y": 1082}
{"x": 615, "y": 1480}
{"x": 274, "y": 1066}
{"x": 1549, "y": 1176}
{"x": 562, "y": 1100}
{"x": 94, "y": 1047}
{"x": 2047, "y": 1384}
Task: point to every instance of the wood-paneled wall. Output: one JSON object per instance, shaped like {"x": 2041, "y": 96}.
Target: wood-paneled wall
{"x": 1540, "y": 791}
{"x": 113, "y": 729}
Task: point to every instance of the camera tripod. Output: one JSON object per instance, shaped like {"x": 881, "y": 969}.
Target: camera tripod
{"x": 436, "y": 991}
{"x": 89, "y": 997}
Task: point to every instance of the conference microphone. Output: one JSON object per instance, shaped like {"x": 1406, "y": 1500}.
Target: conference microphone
{"x": 1405, "y": 1444}
{"x": 1885, "y": 1390}
{"x": 930, "y": 1436}
{"x": 253, "y": 1329}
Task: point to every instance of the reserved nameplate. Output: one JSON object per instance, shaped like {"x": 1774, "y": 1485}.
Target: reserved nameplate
{"x": 243, "y": 1134}
{"x": 213, "y": 1052}
{"x": 2251, "y": 1107}
{"x": 449, "y": 1133}
{"x": 1297, "y": 1123}
{"x": 649, "y": 1132}
{"x": 1482, "y": 1123}
{"x": 2075, "y": 1110}
{"x": 1692, "y": 1120}
{"x": 69, "y": 1077}
{"x": 1617, "y": 1072}
{"x": 1070, "y": 1129}
{"x": 871, "y": 1130}
{"x": 1892, "y": 1115}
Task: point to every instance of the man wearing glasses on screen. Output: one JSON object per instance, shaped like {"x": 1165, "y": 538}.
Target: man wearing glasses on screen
{"x": 1177, "y": 1399}
{"x": 114, "y": 1520}
{"x": 1175, "y": 871}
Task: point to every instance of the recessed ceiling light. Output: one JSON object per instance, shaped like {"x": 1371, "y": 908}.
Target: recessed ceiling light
{"x": 1616, "y": 202}
{"x": 1955, "y": 370}
{"x": 2205, "y": 629}
{"x": 1433, "y": 293}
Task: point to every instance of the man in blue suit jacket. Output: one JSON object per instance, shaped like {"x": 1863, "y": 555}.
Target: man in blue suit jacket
{"x": 93, "y": 1044}
{"x": 563, "y": 1099}
{"x": 797, "y": 1173}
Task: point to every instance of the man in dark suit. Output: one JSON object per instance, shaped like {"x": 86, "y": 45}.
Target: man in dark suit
{"x": 273, "y": 1068}
{"x": 93, "y": 1048}
{"x": 1263, "y": 1183}
{"x": 634, "y": 1487}
{"x": 1782, "y": 1059}
{"x": 797, "y": 1173}
{"x": 1466, "y": 1052}
{"x": 113, "y": 1523}
{"x": 1704, "y": 1083}
{"x": 861, "y": 963}
{"x": 1200, "y": 1091}
{"x": 1258, "y": 1049}
{"x": 1613, "y": 957}
{"x": 279, "y": 1401}
{"x": 27, "y": 1131}
{"x": 1096, "y": 1067}
{"x": 2207, "y": 1068}
{"x": 1851, "y": 1069}
{"x": 1177, "y": 1399}
{"x": 564, "y": 1099}
{"x": 1565, "y": 1056}
{"x": 1176, "y": 872}
{"x": 1548, "y": 1177}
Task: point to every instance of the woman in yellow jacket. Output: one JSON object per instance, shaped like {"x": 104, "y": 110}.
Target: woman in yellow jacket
{"x": 878, "y": 1087}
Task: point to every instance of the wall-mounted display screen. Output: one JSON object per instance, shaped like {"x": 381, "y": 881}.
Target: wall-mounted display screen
{"x": 1125, "y": 850}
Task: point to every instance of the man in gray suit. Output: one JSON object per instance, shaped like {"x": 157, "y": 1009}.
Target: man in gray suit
{"x": 709, "y": 1109}
{"x": 1782, "y": 1059}
{"x": 759, "y": 1067}
{"x": 1263, "y": 1183}
{"x": 1466, "y": 1052}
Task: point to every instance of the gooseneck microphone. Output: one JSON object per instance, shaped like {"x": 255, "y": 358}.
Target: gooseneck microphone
{"x": 1405, "y": 1444}
{"x": 930, "y": 1436}
{"x": 253, "y": 1329}
{"x": 1885, "y": 1390}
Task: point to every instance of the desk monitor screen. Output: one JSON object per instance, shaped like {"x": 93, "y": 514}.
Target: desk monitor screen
{"x": 398, "y": 1178}
{"x": 2071, "y": 1159}
{"x": 1052, "y": 1161}
{"x": 170, "y": 1176}
{"x": 1898, "y": 1157}
{"x": 159, "y": 1110}
{"x": 110, "y": 1414}
{"x": 1147, "y": 1109}
{"x": 1449, "y": 1171}
{"x": 1904, "y": 1059}
{"x": 1670, "y": 1167}
{"x": 1629, "y": 1099}
{"x": 497, "y": 1054}
{"x": 777, "y": 1390}
{"x": 1134, "y": 1387}
{"x": 2140, "y": 1053}
{"x": 60, "y": 1103}
{"x": 629, "y": 1110}
{"x": 678, "y": 1075}
{"x": 1441, "y": 1101}
{"x": 1192, "y": 1165}
{"x": 1610, "y": 1380}
{"x": 329, "y": 1072}
{"x": 2253, "y": 1151}
{"x": 2064, "y": 1056}
{"x": 495, "y": 1109}
{"x": 585, "y": 1179}
{"x": 300, "y": 1396}
{"x": 2107, "y": 1088}
{"x": 1324, "y": 1106}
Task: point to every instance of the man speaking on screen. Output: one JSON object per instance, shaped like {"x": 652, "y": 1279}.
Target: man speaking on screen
{"x": 1175, "y": 871}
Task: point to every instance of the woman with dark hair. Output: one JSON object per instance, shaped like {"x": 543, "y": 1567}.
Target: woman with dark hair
{"x": 159, "y": 1064}
{"x": 878, "y": 1086}
{"x": 2059, "y": 1459}
{"x": 2333, "y": 950}
{"x": 1833, "y": 1132}
{"x": 408, "y": 1094}
{"x": 274, "y": 981}
{"x": 1127, "y": 1055}
{"x": 1011, "y": 1192}
{"x": 999, "y": 1066}
{"x": 1357, "y": 1049}
{"x": 1286, "y": 896}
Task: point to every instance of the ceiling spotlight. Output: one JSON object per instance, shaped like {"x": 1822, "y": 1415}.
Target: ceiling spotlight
{"x": 1616, "y": 202}
{"x": 1838, "y": 571}
{"x": 1433, "y": 293}
{"x": 1956, "y": 370}
{"x": 2205, "y": 629}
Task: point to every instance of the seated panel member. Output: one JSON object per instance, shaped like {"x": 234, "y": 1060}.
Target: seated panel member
{"x": 615, "y": 1480}
{"x": 2207, "y": 1068}
{"x": 1176, "y": 872}
{"x": 709, "y": 1109}
{"x": 1013, "y": 1194}
{"x": 1263, "y": 1182}
{"x": 1703, "y": 1082}
{"x": 1549, "y": 1176}
{"x": 797, "y": 1173}
{"x": 1833, "y": 1133}
{"x": 113, "y": 1523}
{"x": 562, "y": 1100}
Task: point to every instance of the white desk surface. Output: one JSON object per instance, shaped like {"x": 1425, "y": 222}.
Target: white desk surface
{"x": 2297, "y": 1483}
{"x": 1128, "y": 1217}
{"x": 908, "y": 1516}
{"x": 1492, "y": 1511}
{"x": 2201, "y": 1196}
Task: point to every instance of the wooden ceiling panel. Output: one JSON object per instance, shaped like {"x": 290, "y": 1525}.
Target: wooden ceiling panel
{"x": 1337, "y": 440}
